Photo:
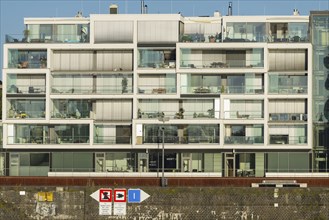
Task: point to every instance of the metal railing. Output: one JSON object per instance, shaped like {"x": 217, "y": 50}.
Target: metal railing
{"x": 243, "y": 114}
{"x": 208, "y": 64}
{"x": 156, "y": 89}
{"x": 244, "y": 140}
{"x": 113, "y": 89}
{"x": 54, "y": 38}
{"x": 191, "y": 139}
{"x": 210, "y": 113}
{"x": 286, "y": 139}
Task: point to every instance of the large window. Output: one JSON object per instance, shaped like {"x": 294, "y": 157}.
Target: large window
{"x": 27, "y": 58}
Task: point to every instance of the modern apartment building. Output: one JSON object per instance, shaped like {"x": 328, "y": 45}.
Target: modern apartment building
{"x": 94, "y": 96}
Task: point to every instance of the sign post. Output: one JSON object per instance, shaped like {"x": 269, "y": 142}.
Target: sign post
{"x": 120, "y": 202}
{"x": 104, "y": 197}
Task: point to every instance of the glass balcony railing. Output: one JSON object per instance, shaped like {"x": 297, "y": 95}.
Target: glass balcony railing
{"x": 244, "y": 140}
{"x": 287, "y": 90}
{"x": 156, "y": 89}
{"x": 250, "y": 89}
{"x": 206, "y": 114}
{"x": 157, "y": 64}
{"x": 288, "y": 38}
{"x": 215, "y": 64}
{"x": 256, "y": 89}
{"x": 47, "y": 140}
{"x": 287, "y": 139}
{"x": 182, "y": 139}
{"x": 26, "y": 89}
{"x": 288, "y": 117}
{"x": 26, "y": 114}
{"x": 206, "y": 38}
{"x": 71, "y": 115}
{"x": 243, "y": 114}
{"x": 55, "y": 38}
{"x": 113, "y": 89}
{"x": 112, "y": 140}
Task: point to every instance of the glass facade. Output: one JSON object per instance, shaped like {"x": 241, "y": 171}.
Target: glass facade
{"x": 319, "y": 23}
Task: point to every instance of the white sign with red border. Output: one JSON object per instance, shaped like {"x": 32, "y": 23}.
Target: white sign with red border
{"x": 104, "y": 197}
{"x": 120, "y": 202}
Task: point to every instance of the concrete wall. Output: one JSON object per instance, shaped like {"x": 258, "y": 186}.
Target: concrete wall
{"x": 171, "y": 203}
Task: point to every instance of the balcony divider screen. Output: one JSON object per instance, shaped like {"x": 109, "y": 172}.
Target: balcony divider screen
{"x": 113, "y": 110}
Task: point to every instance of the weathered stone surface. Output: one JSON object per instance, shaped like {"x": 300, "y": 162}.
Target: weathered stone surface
{"x": 171, "y": 203}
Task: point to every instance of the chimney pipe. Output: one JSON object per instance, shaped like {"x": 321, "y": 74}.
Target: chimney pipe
{"x": 230, "y": 9}
{"x": 142, "y": 6}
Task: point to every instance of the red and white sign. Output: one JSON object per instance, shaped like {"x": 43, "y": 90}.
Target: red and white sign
{"x": 120, "y": 195}
{"x": 105, "y": 195}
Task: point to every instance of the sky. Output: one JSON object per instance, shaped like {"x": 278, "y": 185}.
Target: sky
{"x": 13, "y": 12}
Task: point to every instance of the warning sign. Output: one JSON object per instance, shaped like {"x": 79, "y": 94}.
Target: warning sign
{"x": 105, "y": 195}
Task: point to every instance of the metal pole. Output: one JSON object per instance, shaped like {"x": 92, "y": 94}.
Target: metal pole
{"x": 163, "y": 179}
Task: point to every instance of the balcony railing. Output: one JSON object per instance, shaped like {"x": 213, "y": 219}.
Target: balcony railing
{"x": 113, "y": 89}
{"x": 197, "y": 38}
{"x": 215, "y": 64}
{"x": 182, "y": 139}
{"x": 71, "y": 115}
{"x": 50, "y": 140}
{"x": 286, "y": 139}
{"x": 244, "y": 140}
{"x": 157, "y": 64}
{"x": 288, "y": 117}
{"x": 243, "y": 114}
{"x": 206, "y": 114}
{"x": 55, "y": 38}
{"x": 252, "y": 89}
{"x": 26, "y": 114}
{"x": 112, "y": 139}
{"x": 288, "y": 90}
{"x": 26, "y": 89}
{"x": 156, "y": 89}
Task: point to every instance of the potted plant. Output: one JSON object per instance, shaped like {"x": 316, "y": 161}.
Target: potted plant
{"x": 26, "y": 33}
{"x": 43, "y": 62}
{"x": 186, "y": 38}
{"x": 180, "y": 113}
{"x": 212, "y": 38}
{"x": 124, "y": 84}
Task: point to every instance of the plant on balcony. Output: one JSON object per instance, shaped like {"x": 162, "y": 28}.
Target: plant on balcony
{"x": 124, "y": 84}
{"x": 26, "y": 34}
{"x": 186, "y": 38}
{"x": 43, "y": 62}
{"x": 212, "y": 38}
{"x": 180, "y": 114}
{"x": 211, "y": 113}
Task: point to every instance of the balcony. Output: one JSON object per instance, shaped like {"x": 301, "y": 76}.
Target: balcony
{"x": 92, "y": 83}
{"x": 156, "y": 89}
{"x": 244, "y": 114}
{"x": 182, "y": 134}
{"x": 156, "y": 58}
{"x": 244, "y": 140}
{"x": 287, "y": 139}
{"x": 54, "y": 38}
{"x": 26, "y": 89}
{"x": 202, "y": 38}
{"x": 291, "y": 32}
{"x": 52, "y": 134}
{"x": 221, "y": 58}
{"x": 210, "y": 114}
{"x": 284, "y": 117}
{"x": 252, "y": 89}
{"x": 287, "y": 90}
{"x": 112, "y": 139}
{"x": 26, "y": 109}
{"x": 27, "y": 59}
{"x": 108, "y": 90}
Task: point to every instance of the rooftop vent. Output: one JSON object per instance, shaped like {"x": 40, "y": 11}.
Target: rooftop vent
{"x": 217, "y": 14}
{"x": 143, "y": 7}
{"x": 114, "y": 9}
{"x": 230, "y": 9}
{"x": 296, "y": 12}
